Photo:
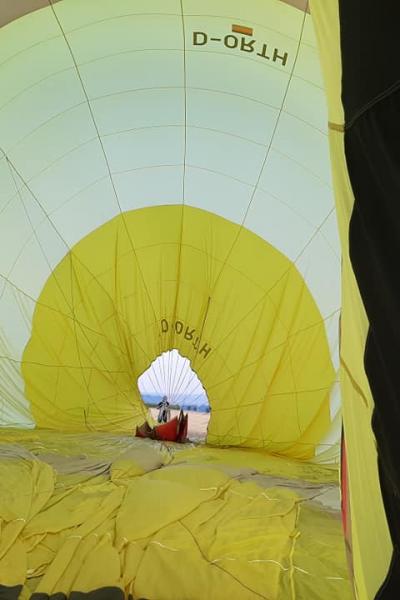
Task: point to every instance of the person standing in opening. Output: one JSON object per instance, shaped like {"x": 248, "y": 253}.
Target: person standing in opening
{"x": 164, "y": 412}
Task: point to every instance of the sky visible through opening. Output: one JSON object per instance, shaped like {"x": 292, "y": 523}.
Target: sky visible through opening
{"x": 171, "y": 375}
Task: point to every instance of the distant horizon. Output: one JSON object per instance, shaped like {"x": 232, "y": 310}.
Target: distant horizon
{"x": 187, "y": 401}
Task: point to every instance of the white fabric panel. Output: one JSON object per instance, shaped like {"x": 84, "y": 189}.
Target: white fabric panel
{"x": 23, "y": 35}
{"x": 132, "y": 32}
{"x": 18, "y": 219}
{"x": 279, "y": 224}
{"x": 95, "y": 206}
{"x": 329, "y": 230}
{"x": 7, "y": 187}
{"x": 142, "y": 187}
{"x": 16, "y": 310}
{"x": 306, "y": 101}
{"x": 259, "y": 15}
{"x": 69, "y": 174}
{"x": 243, "y": 77}
{"x": 48, "y": 99}
{"x": 28, "y": 68}
{"x": 232, "y": 114}
{"x": 76, "y": 14}
{"x": 217, "y": 193}
{"x": 225, "y": 154}
{"x": 139, "y": 108}
{"x": 307, "y": 64}
{"x": 148, "y": 69}
{"x": 318, "y": 264}
{"x": 144, "y": 147}
{"x": 303, "y": 144}
{"x": 291, "y": 183}
{"x": 52, "y": 141}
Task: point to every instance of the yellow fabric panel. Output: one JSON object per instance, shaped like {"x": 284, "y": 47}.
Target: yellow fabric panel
{"x": 244, "y": 526}
{"x": 152, "y": 503}
{"x": 208, "y": 525}
{"x": 140, "y": 285}
{"x": 55, "y": 577}
{"x": 265, "y": 518}
{"x": 256, "y": 460}
{"x": 194, "y": 578}
{"x": 202, "y": 477}
{"x": 101, "y": 568}
{"x": 18, "y": 501}
{"x": 136, "y": 462}
{"x": 325, "y": 16}
{"x": 318, "y": 552}
{"x": 82, "y": 549}
{"x": 371, "y": 544}
{"x": 131, "y": 558}
{"x": 87, "y": 503}
{"x": 13, "y": 565}
{"x": 26, "y": 486}
{"x": 41, "y": 550}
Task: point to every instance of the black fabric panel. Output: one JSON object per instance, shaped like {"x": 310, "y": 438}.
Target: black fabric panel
{"x": 106, "y": 593}
{"x": 370, "y": 45}
{"x": 10, "y": 592}
{"x": 372, "y": 146}
{"x": 42, "y": 596}
{"x": 391, "y": 586}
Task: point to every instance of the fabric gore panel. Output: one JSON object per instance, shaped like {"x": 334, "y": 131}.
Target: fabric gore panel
{"x": 370, "y": 46}
{"x": 372, "y": 152}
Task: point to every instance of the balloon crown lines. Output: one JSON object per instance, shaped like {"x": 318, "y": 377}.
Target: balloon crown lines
{"x": 243, "y": 43}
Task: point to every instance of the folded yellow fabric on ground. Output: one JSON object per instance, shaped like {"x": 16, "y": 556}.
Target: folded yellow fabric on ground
{"x": 165, "y": 523}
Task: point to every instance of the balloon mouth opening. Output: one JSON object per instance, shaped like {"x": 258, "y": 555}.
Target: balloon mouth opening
{"x": 171, "y": 384}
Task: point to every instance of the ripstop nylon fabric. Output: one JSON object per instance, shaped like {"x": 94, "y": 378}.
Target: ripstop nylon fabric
{"x": 86, "y": 512}
{"x": 156, "y": 126}
{"x": 126, "y": 303}
{"x": 370, "y": 546}
{"x": 166, "y": 184}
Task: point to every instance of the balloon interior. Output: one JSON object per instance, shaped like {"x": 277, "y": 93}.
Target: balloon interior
{"x": 166, "y": 186}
